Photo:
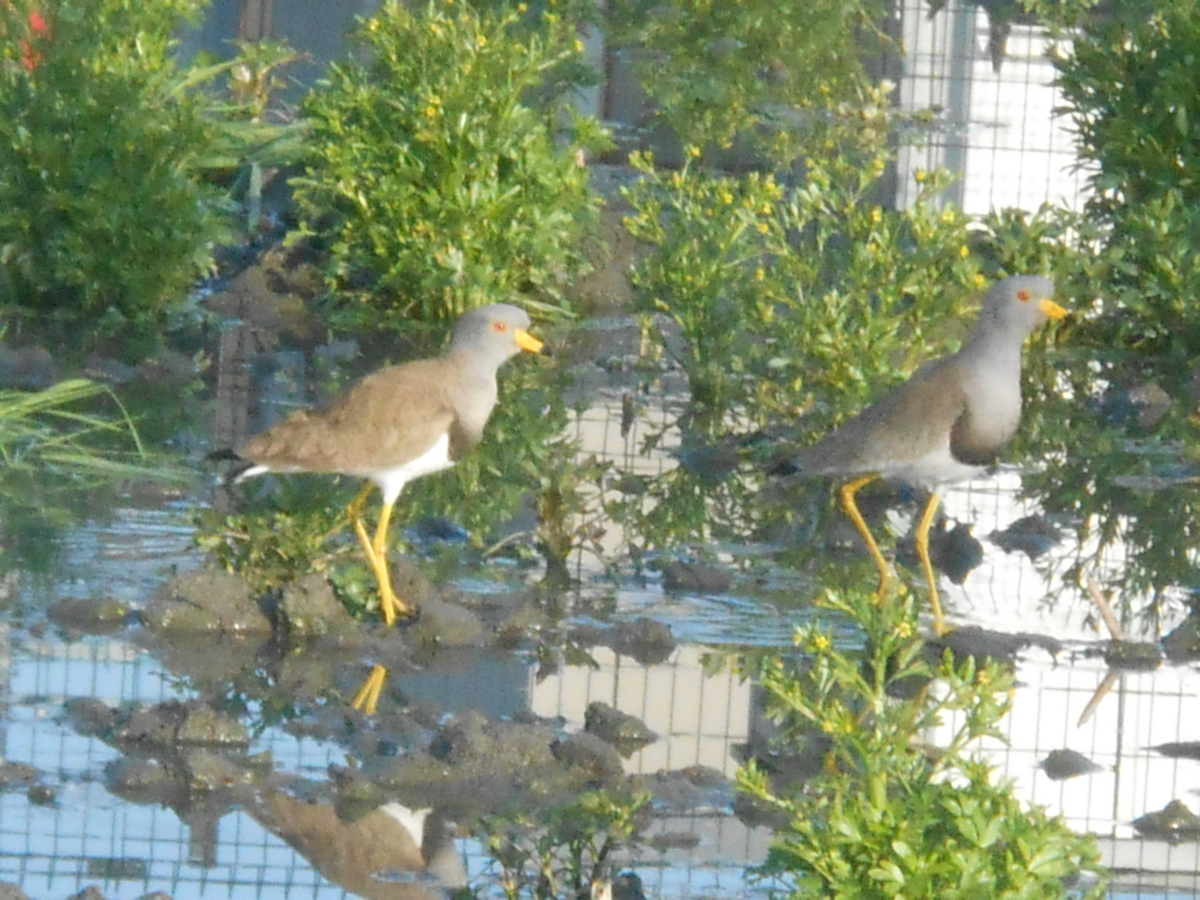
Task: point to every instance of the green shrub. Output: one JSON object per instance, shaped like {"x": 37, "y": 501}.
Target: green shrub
{"x": 886, "y": 817}
{"x": 450, "y": 183}
{"x": 794, "y": 306}
{"x": 1131, "y": 81}
{"x": 755, "y": 70}
{"x": 102, "y": 226}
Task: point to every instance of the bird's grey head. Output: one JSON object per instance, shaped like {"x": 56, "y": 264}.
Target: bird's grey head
{"x": 1020, "y": 304}
{"x": 492, "y": 334}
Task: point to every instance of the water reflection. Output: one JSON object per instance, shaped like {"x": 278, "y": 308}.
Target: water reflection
{"x": 77, "y": 827}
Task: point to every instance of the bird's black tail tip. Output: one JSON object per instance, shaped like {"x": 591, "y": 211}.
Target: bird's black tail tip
{"x": 784, "y": 465}
{"x": 233, "y": 475}
{"x": 225, "y": 454}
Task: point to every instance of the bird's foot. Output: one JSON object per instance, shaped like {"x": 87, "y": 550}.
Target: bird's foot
{"x": 391, "y": 607}
{"x": 367, "y": 698}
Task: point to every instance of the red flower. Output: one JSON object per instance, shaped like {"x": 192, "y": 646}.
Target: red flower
{"x": 39, "y": 27}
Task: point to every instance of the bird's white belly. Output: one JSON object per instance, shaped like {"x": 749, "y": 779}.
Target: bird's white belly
{"x": 931, "y": 470}
{"x": 392, "y": 480}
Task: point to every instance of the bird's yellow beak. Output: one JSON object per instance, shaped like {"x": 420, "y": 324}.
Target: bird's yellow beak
{"x": 529, "y": 343}
{"x": 1050, "y": 309}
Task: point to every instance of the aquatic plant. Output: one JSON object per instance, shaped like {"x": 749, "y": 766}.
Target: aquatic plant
{"x": 444, "y": 172}
{"x": 58, "y": 446}
{"x": 102, "y": 225}
{"x": 567, "y": 851}
{"x": 885, "y": 815}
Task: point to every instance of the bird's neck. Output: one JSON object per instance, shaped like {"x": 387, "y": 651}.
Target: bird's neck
{"x": 1000, "y": 357}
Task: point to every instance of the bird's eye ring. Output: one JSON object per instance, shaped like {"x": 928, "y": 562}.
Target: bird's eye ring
{"x": 499, "y": 326}
{"x": 1024, "y": 296}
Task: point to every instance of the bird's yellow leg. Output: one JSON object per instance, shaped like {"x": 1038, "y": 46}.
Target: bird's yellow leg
{"x": 376, "y": 551}
{"x": 851, "y": 507}
{"x": 365, "y": 540}
{"x": 367, "y": 698}
{"x": 922, "y": 541}
{"x": 354, "y": 510}
{"x": 389, "y": 604}
{"x": 355, "y": 507}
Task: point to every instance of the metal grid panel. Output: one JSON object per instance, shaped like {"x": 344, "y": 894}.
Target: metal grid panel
{"x": 996, "y": 129}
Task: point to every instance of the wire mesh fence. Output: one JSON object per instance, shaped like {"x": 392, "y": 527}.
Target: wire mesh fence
{"x": 995, "y": 127}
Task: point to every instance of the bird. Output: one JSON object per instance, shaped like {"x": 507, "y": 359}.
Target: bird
{"x": 397, "y": 424}
{"x": 947, "y": 423}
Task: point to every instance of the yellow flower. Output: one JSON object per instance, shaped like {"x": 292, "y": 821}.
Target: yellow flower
{"x": 763, "y": 227}
{"x": 759, "y": 275}
{"x": 964, "y": 251}
{"x": 876, "y": 215}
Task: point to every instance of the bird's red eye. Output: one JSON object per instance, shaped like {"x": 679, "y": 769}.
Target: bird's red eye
{"x": 499, "y": 326}
{"x": 1023, "y": 296}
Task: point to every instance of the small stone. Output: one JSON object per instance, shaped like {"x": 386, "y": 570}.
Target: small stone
{"x": 624, "y": 732}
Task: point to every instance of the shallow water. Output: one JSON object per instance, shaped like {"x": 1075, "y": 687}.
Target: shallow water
{"x": 77, "y": 826}
{"x": 81, "y": 833}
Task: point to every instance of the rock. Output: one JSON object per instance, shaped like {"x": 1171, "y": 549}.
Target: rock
{"x": 202, "y": 725}
{"x": 207, "y": 601}
{"x": 474, "y": 744}
{"x": 11, "y": 892}
{"x": 690, "y": 789}
{"x": 596, "y": 758}
{"x": 18, "y": 773}
{"x": 1062, "y": 764}
{"x": 1031, "y": 535}
{"x": 1133, "y": 656}
{"x": 208, "y": 772}
{"x": 309, "y": 608}
{"x": 1179, "y": 749}
{"x": 463, "y": 737}
{"x": 101, "y": 616}
{"x": 167, "y": 367}
{"x": 173, "y": 723}
{"x": 42, "y": 795}
{"x": 694, "y": 577}
{"x": 624, "y": 732}
{"x": 955, "y": 551}
{"x": 1175, "y": 823}
{"x": 26, "y": 368}
{"x": 88, "y": 716}
{"x": 445, "y": 624}
{"x": 647, "y": 641}
{"x": 128, "y": 777}
{"x": 982, "y": 645}
{"x": 106, "y": 369}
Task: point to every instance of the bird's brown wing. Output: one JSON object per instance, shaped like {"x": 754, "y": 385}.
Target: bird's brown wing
{"x": 915, "y": 418}
{"x": 386, "y": 419}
